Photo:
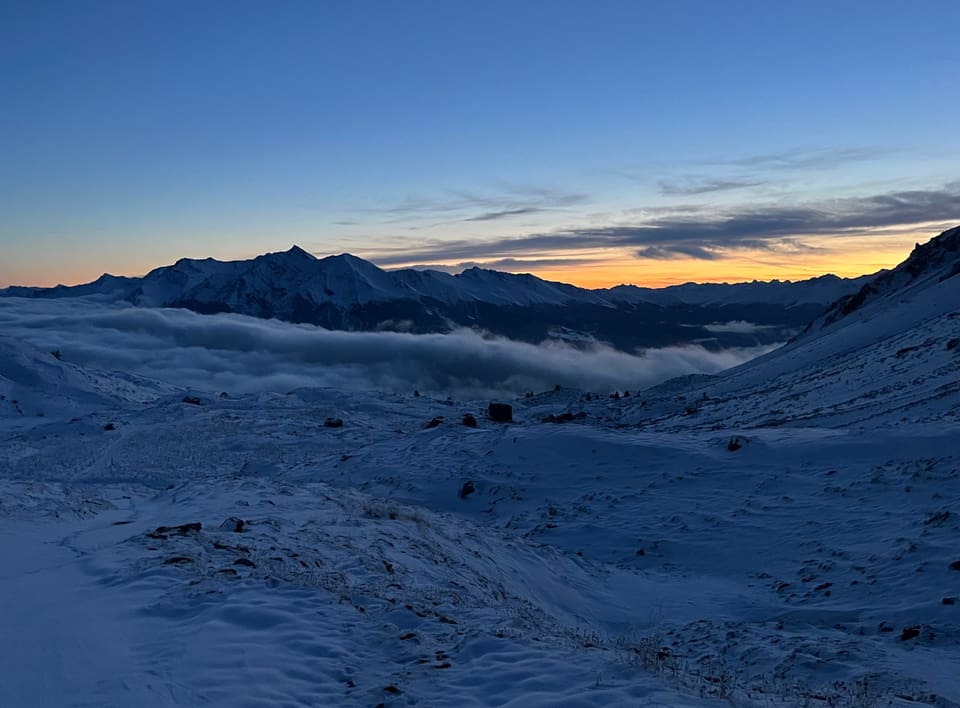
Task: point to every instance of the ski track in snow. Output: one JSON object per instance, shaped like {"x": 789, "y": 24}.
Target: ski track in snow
{"x": 627, "y": 557}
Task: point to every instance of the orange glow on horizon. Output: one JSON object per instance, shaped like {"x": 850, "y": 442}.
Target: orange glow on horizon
{"x": 845, "y": 256}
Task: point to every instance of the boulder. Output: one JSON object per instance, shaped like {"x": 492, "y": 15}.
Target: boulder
{"x": 500, "y": 412}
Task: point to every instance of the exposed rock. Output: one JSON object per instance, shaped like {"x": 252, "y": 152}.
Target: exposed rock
{"x": 470, "y": 421}
{"x": 177, "y": 560}
{"x": 910, "y": 633}
{"x": 234, "y": 524}
{"x": 246, "y": 562}
{"x": 192, "y": 400}
{"x": 467, "y": 489}
{"x": 333, "y": 423}
{"x": 500, "y": 412}
{"x": 734, "y": 444}
{"x": 110, "y": 426}
{"x": 434, "y": 422}
{"x": 181, "y": 530}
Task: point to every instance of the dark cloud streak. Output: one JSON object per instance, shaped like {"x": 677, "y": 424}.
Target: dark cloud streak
{"x": 506, "y": 213}
{"x": 693, "y": 186}
{"x": 701, "y": 236}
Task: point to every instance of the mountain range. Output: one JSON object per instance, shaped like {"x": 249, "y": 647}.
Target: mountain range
{"x": 344, "y": 292}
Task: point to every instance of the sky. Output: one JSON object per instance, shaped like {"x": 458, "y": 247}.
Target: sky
{"x": 592, "y": 142}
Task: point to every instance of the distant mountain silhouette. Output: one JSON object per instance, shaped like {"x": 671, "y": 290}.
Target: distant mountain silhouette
{"x": 348, "y": 293}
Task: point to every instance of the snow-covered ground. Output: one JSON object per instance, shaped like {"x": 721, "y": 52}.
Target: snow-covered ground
{"x": 782, "y": 534}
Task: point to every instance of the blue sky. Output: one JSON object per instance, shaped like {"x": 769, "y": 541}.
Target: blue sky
{"x": 593, "y": 142}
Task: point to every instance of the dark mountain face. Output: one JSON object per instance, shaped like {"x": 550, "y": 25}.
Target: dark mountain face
{"x": 347, "y": 293}
{"x": 933, "y": 262}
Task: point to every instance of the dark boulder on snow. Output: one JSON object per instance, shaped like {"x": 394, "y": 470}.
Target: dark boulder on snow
{"x": 909, "y": 633}
{"x": 434, "y": 422}
{"x": 467, "y": 489}
{"x": 333, "y": 423}
{"x": 192, "y": 400}
{"x": 470, "y": 421}
{"x": 562, "y": 418}
{"x": 734, "y": 444}
{"x": 500, "y": 412}
{"x": 234, "y": 524}
{"x": 181, "y": 530}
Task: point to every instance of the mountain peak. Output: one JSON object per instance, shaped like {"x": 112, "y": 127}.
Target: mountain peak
{"x": 295, "y": 250}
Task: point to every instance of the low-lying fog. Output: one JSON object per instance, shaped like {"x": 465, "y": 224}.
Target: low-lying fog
{"x": 241, "y": 354}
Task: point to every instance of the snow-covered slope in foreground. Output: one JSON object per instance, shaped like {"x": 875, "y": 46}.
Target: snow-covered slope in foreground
{"x": 784, "y": 534}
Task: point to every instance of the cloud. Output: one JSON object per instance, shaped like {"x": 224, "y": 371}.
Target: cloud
{"x": 698, "y": 185}
{"x": 809, "y": 158}
{"x": 736, "y": 327}
{"x": 506, "y": 213}
{"x": 700, "y": 235}
{"x": 514, "y": 265}
{"x": 663, "y": 253}
{"x": 463, "y": 205}
{"x": 243, "y": 354}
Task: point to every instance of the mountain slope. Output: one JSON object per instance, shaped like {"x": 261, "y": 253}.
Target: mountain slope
{"x": 347, "y": 293}
{"x": 926, "y": 268}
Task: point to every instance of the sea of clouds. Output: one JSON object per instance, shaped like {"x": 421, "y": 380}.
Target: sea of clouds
{"x": 240, "y": 354}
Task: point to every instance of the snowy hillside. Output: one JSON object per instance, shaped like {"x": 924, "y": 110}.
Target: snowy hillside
{"x": 347, "y": 293}
{"x": 780, "y": 534}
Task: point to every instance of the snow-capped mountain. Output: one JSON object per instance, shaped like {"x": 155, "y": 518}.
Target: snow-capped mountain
{"x": 348, "y": 293}
{"x": 273, "y": 279}
{"x": 824, "y": 289}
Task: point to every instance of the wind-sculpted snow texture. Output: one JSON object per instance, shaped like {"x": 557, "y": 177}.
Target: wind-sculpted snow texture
{"x": 781, "y": 534}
